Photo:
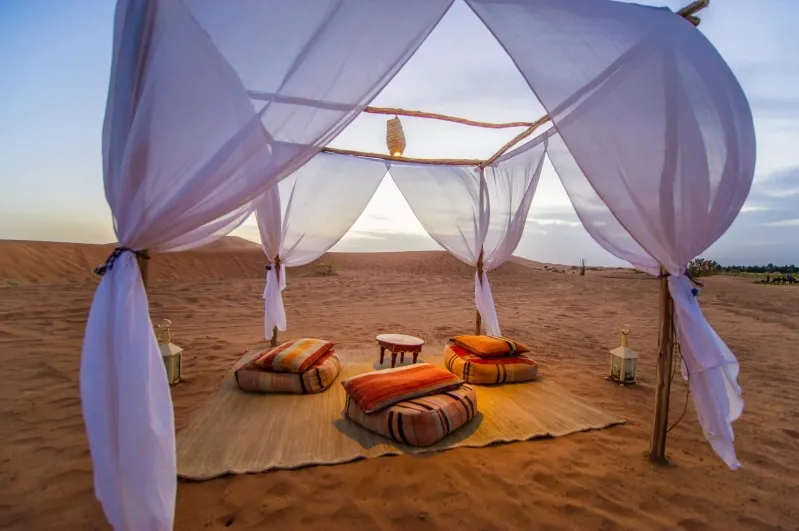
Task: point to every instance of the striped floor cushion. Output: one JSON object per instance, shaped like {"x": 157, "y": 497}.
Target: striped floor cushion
{"x": 486, "y": 371}
{"x": 421, "y": 421}
{"x": 317, "y": 378}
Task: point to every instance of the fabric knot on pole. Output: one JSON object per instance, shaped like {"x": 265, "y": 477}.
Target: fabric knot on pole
{"x": 108, "y": 265}
{"x": 694, "y": 281}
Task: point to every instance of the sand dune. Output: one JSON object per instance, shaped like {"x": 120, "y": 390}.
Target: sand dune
{"x": 597, "y": 480}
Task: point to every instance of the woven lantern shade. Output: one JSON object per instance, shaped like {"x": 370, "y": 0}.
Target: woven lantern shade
{"x": 395, "y": 137}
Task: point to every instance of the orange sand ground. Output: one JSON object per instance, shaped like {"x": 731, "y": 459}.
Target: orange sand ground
{"x": 595, "y": 480}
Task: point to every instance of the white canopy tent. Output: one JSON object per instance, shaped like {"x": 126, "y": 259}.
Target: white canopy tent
{"x": 304, "y": 215}
{"x": 210, "y": 105}
{"x": 476, "y": 214}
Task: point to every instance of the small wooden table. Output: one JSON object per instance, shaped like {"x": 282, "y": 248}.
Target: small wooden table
{"x": 399, "y": 344}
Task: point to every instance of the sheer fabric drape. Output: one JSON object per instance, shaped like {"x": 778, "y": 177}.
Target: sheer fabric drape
{"x": 471, "y": 211}
{"x": 655, "y": 146}
{"x": 186, "y": 148}
{"x": 306, "y": 214}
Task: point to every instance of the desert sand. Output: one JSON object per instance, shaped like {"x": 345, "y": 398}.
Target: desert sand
{"x": 593, "y": 480}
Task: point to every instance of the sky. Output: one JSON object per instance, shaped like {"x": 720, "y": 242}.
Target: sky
{"x": 54, "y": 65}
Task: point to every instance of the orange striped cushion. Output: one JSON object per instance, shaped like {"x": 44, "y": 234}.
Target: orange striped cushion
{"x": 316, "y": 379}
{"x": 294, "y": 356}
{"x": 489, "y": 346}
{"x": 487, "y": 371}
{"x": 374, "y": 391}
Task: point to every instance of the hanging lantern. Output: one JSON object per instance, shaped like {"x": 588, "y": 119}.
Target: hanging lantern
{"x": 395, "y": 137}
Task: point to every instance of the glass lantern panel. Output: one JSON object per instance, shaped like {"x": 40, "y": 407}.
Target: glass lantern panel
{"x": 629, "y": 370}
{"x": 615, "y": 367}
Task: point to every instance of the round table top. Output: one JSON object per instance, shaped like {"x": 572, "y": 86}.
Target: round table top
{"x": 400, "y": 340}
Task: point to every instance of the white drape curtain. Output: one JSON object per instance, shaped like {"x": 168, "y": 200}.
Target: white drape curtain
{"x": 655, "y": 146}
{"x": 306, "y": 214}
{"x": 193, "y": 133}
{"x": 467, "y": 210}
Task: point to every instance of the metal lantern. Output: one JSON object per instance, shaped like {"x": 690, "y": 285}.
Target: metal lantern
{"x": 171, "y": 353}
{"x": 622, "y": 361}
{"x": 395, "y": 137}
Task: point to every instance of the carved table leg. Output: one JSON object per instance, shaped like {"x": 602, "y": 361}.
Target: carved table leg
{"x": 402, "y": 357}
{"x": 382, "y": 352}
{"x": 415, "y": 355}
{"x": 393, "y": 359}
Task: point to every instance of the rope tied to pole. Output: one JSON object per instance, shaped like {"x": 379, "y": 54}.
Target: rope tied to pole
{"x": 696, "y": 283}
{"x": 675, "y": 346}
{"x": 695, "y": 291}
{"x": 108, "y": 265}
{"x": 276, "y": 264}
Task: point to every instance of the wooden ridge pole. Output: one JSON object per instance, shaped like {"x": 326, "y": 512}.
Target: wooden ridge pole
{"x": 273, "y": 341}
{"x": 515, "y": 140}
{"x": 657, "y": 449}
{"x": 382, "y": 156}
{"x": 693, "y": 8}
{"x": 689, "y": 12}
{"x": 444, "y": 117}
{"x": 478, "y": 324}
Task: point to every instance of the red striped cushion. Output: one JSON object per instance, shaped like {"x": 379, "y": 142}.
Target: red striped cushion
{"x": 374, "y": 391}
{"x": 421, "y": 421}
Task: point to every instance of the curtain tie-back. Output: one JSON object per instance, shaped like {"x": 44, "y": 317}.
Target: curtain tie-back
{"x": 694, "y": 291}
{"x": 693, "y": 280}
{"x": 109, "y": 264}
{"x": 275, "y": 264}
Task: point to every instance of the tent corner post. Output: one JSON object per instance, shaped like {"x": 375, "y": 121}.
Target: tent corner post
{"x": 478, "y": 318}
{"x": 273, "y": 341}
{"x": 143, "y": 261}
{"x": 665, "y": 362}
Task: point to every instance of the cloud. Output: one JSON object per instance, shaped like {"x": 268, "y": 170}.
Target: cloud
{"x": 774, "y": 197}
{"x": 753, "y": 208}
{"x": 549, "y": 221}
{"x": 365, "y": 241}
{"x": 783, "y": 223}
{"x": 765, "y": 230}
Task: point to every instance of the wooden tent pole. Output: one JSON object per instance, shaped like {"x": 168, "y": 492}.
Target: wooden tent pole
{"x": 693, "y": 8}
{"x": 382, "y": 156}
{"x": 143, "y": 259}
{"x": 657, "y": 450}
{"x": 478, "y": 319}
{"x": 515, "y": 140}
{"x": 273, "y": 341}
{"x": 689, "y": 12}
{"x": 444, "y": 117}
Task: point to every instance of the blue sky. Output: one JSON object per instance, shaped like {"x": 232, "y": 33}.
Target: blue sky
{"x": 55, "y": 59}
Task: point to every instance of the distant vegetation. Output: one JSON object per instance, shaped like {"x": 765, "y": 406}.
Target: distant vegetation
{"x": 770, "y": 273}
{"x": 325, "y": 268}
{"x": 770, "y": 268}
{"x": 700, "y": 267}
